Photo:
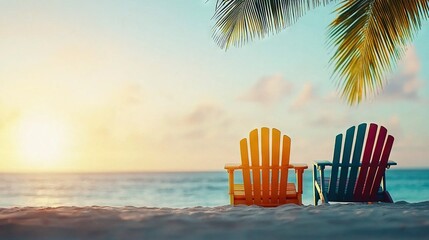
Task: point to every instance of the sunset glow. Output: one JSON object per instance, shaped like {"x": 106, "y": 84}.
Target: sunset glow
{"x": 42, "y": 141}
{"x": 118, "y": 90}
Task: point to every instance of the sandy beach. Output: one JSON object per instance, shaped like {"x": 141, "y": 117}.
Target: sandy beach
{"x": 349, "y": 221}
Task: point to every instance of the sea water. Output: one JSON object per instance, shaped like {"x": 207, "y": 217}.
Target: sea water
{"x": 165, "y": 189}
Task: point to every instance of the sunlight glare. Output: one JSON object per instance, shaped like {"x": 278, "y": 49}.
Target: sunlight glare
{"x": 42, "y": 141}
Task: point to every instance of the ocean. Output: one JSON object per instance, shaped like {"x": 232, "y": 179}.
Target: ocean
{"x": 163, "y": 189}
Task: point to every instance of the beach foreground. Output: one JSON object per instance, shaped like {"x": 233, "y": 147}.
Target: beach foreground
{"x": 352, "y": 221}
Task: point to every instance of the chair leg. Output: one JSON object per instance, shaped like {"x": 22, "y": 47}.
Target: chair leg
{"x": 316, "y": 195}
{"x": 299, "y": 175}
{"x": 387, "y": 197}
{"x": 231, "y": 186}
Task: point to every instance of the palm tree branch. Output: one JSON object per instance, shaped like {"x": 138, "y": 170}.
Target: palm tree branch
{"x": 370, "y": 36}
{"x": 239, "y": 21}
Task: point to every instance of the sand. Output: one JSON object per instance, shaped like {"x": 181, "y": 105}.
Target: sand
{"x": 341, "y": 221}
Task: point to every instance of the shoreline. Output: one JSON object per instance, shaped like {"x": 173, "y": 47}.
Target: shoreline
{"x": 352, "y": 221}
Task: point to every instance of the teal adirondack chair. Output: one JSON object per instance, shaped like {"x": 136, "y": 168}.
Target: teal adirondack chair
{"x": 357, "y": 172}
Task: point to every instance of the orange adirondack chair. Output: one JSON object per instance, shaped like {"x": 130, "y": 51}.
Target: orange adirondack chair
{"x": 273, "y": 188}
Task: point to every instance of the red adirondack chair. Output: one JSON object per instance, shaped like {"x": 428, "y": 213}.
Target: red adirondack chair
{"x": 357, "y": 172}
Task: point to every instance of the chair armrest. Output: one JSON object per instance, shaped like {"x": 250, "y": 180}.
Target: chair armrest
{"x": 321, "y": 164}
{"x": 299, "y": 166}
{"x": 391, "y": 163}
{"x": 232, "y": 166}
{"x": 299, "y": 170}
{"x": 235, "y": 166}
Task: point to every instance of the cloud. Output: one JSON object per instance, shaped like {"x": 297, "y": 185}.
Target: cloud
{"x": 393, "y": 125}
{"x": 304, "y": 97}
{"x": 131, "y": 94}
{"x": 406, "y": 83}
{"x": 331, "y": 120}
{"x": 267, "y": 90}
{"x": 204, "y": 113}
{"x": 205, "y": 121}
{"x": 201, "y": 133}
{"x": 394, "y": 121}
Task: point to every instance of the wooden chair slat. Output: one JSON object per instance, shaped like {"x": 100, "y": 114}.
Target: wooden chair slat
{"x": 354, "y": 167}
{"x": 335, "y": 165}
{"x": 246, "y": 171}
{"x": 265, "y": 154}
{"x": 284, "y": 172}
{"x": 254, "y": 155}
{"x": 348, "y": 144}
{"x": 275, "y": 159}
{"x": 366, "y": 159}
{"x": 382, "y": 166}
{"x": 373, "y": 166}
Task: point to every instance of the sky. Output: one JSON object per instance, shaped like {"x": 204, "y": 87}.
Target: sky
{"x": 101, "y": 86}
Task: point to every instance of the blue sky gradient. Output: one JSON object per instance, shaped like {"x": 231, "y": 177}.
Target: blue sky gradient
{"x": 141, "y": 85}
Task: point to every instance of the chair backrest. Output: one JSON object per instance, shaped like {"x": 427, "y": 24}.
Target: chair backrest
{"x": 271, "y": 189}
{"x": 357, "y": 170}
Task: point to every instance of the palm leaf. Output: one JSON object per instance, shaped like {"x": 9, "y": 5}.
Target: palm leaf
{"x": 238, "y": 21}
{"x": 370, "y": 36}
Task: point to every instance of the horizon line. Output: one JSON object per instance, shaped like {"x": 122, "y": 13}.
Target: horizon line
{"x": 158, "y": 171}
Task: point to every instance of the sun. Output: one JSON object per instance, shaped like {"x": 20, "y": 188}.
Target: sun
{"x": 42, "y": 141}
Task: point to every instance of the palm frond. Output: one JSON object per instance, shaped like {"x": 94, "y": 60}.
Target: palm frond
{"x": 370, "y": 36}
{"x": 238, "y": 21}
